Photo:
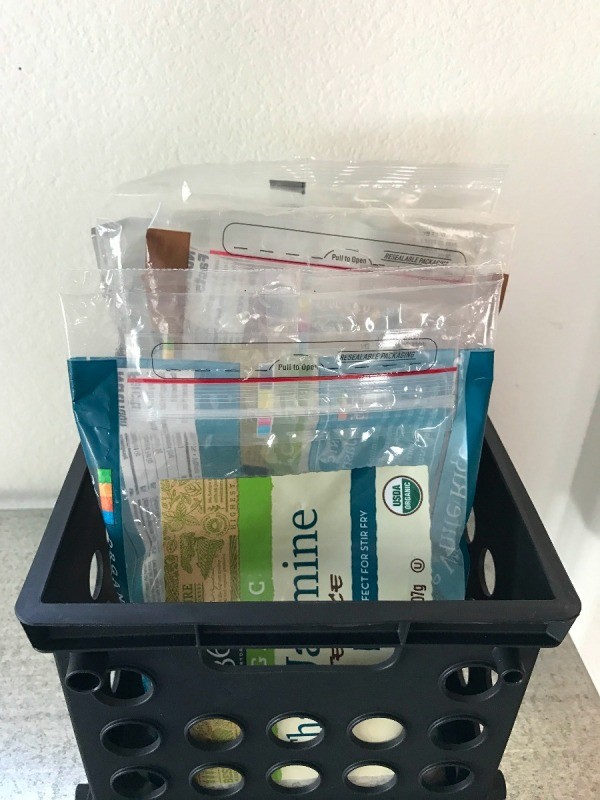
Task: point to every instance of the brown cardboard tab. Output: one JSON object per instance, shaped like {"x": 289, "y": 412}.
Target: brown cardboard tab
{"x": 167, "y": 249}
{"x": 503, "y": 288}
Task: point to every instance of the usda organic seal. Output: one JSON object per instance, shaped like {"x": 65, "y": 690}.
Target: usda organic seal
{"x": 402, "y": 495}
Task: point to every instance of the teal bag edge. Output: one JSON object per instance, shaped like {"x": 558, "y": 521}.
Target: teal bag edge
{"x": 480, "y": 375}
{"x": 94, "y": 389}
{"x": 94, "y": 393}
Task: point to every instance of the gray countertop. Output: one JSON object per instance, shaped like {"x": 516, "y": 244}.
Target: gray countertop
{"x": 552, "y": 755}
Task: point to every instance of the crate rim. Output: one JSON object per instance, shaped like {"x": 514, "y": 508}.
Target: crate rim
{"x": 92, "y": 626}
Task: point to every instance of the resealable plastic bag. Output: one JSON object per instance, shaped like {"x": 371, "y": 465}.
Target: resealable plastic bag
{"x": 353, "y": 374}
{"x": 200, "y": 200}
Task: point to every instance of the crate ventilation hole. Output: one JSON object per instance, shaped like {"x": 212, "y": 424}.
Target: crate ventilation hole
{"x": 377, "y": 732}
{"x": 296, "y": 731}
{"x": 125, "y": 687}
{"x": 445, "y": 778}
{"x": 471, "y": 681}
{"x": 214, "y": 733}
{"x": 457, "y": 733}
{"x": 130, "y": 738}
{"x": 294, "y": 778}
{"x": 371, "y": 778}
{"x": 140, "y": 783}
{"x": 96, "y": 575}
{"x": 217, "y": 779}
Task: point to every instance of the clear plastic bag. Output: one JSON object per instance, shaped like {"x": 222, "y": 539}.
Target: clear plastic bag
{"x": 306, "y": 181}
{"x": 299, "y": 372}
{"x": 210, "y": 203}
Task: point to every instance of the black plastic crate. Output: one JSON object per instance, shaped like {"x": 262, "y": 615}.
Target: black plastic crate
{"x": 455, "y": 683}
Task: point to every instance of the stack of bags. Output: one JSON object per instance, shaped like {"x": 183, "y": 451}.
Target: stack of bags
{"x": 280, "y": 374}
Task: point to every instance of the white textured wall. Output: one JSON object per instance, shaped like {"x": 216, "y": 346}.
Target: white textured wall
{"x": 95, "y": 93}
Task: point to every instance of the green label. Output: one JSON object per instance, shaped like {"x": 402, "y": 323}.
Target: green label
{"x": 255, "y": 536}
{"x": 327, "y": 536}
{"x": 402, "y": 495}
